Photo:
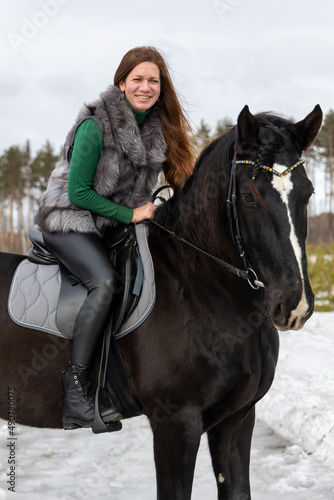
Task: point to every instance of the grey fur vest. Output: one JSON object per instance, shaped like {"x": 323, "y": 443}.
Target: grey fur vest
{"x": 127, "y": 171}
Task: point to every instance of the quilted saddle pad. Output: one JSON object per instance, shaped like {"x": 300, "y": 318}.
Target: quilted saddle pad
{"x": 34, "y": 295}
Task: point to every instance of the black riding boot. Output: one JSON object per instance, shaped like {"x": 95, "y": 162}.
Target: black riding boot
{"x": 79, "y": 404}
{"x": 85, "y": 257}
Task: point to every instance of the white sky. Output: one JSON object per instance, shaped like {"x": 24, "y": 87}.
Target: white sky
{"x": 273, "y": 55}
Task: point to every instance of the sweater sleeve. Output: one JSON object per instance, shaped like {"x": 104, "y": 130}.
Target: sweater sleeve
{"x": 87, "y": 151}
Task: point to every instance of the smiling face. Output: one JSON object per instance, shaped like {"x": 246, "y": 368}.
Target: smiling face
{"x": 142, "y": 86}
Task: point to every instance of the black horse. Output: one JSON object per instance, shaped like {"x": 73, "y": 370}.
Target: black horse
{"x": 208, "y": 351}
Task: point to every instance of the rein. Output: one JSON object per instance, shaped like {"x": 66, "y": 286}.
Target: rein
{"x": 245, "y": 274}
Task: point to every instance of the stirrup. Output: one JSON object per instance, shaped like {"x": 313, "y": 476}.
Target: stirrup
{"x": 99, "y": 426}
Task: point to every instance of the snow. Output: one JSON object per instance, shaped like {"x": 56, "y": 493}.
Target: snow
{"x": 292, "y": 448}
{"x": 301, "y": 403}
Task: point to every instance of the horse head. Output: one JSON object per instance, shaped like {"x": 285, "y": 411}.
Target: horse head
{"x": 272, "y": 193}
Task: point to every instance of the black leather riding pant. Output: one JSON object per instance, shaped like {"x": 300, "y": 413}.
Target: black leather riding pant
{"x": 85, "y": 257}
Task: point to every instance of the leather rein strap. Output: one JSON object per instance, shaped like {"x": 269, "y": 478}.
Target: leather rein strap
{"x": 245, "y": 274}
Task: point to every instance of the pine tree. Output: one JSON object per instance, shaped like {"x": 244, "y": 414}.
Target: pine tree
{"x": 40, "y": 171}
{"x": 223, "y": 126}
{"x": 42, "y": 166}
{"x": 202, "y": 135}
{"x": 12, "y": 163}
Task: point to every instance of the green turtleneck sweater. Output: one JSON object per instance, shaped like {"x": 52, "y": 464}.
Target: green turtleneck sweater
{"x": 87, "y": 151}
{"x": 140, "y": 117}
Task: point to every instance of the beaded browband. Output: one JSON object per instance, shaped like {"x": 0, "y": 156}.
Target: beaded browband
{"x": 271, "y": 169}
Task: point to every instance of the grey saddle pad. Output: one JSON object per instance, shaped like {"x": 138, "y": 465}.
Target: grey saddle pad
{"x": 34, "y": 294}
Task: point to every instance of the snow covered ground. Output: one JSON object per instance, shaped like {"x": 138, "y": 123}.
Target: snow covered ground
{"x": 292, "y": 452}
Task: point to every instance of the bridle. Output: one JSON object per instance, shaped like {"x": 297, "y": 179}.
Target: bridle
{"x": 248, "y": 272}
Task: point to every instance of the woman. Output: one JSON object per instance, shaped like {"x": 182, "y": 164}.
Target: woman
{"x": 122, "y": 142}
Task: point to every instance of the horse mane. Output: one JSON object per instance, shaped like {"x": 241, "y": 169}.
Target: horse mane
{"x": 193, "y": 212}
{"x": 198, "y": 212}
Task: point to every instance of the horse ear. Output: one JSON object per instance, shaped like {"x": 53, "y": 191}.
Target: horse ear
{"x": 308, "y": 128}
{"x": 248, "y": 128}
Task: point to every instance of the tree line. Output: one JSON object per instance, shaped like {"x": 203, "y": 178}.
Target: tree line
{"x": 23, "y": 177}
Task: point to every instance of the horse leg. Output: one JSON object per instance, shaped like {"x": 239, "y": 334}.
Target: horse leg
{"x": 176, "y": 442}
{"x": 229, "y": 444}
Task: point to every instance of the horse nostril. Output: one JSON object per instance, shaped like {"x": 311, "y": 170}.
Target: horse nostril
{"x": 279, "y": 316}
{"x": 279, "y": 311}
{"x": 293, "y": 324}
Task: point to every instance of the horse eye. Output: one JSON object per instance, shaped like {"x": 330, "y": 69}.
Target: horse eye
{"x": 249, "y": 200}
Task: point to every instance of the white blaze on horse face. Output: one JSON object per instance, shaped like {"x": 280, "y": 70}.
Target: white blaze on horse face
{"x": 284, "y": 186}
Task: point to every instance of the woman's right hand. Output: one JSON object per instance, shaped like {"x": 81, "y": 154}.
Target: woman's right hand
{"x": 144, "y": 212}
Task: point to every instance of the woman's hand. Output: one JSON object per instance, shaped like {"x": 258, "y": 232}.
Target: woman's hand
{"x": 144, "y": 212}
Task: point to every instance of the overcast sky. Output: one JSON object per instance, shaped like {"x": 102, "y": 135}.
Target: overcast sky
{"x": 274, "y": 55}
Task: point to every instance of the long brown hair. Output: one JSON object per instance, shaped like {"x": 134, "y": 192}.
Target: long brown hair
{"x": 180, "y": 153}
